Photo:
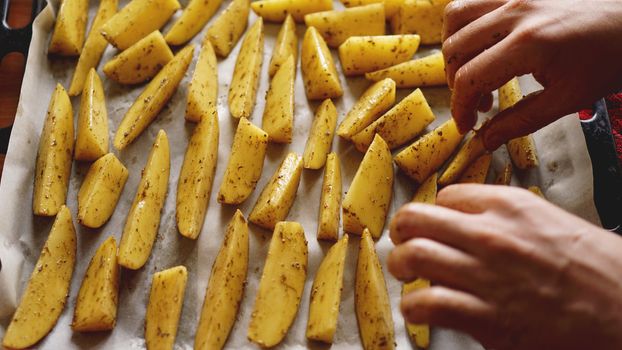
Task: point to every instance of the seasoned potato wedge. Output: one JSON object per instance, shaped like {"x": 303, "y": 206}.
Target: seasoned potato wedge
{"x": 426, "y": 71}
{"x": 225, "y": 287}
{"x": 472, "y": 149}
{"x": 54, "y": 157}
{"x": 426, "y": 192}
{"x": 192, "y": 20}
{"x": 371, "y": 299}
{"x": 537, "y": 191}
{"x": 226, "y": 30}
{"x": 164, "y": 309}
{"x": 151, "y": 101}
{"x": 504, "y": 177}
{"x": 326, "y": 294}
{"x": 203, "y": 88}
{"x": 143, "y": 219}
{"x": 137, "y": 19}
{"x": 390, "y": 6}
{"x": 70, "y": 28}
{"x": 423, "y": 17}
{"x": 278, "y": 114}
{"x": 320, "y": 136}
{"x": 196, "y": 177}
{"x": 286, "y": 45}
{"x": 45, "y": 295}
{"x": 477, "y": 171}
{"x": 245, "y": 163}
{"x": 367, "y": 201}
{"x": 277, "y": 10}
{"x": 92, "y": 141}
{"x": 419, "y": 333}
{"x": 337, "y": 26}
{"x": 281, "y": 285}
{"x": 96, "y": 305}
{"x": 318, "y": 68}
{"x": 330, "y": 200}
{"x": 364, "y": 54}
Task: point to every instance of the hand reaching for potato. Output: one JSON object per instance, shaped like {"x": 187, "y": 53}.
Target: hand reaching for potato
{"x": 511, "y": 269}
{"x": 572, "y": 47}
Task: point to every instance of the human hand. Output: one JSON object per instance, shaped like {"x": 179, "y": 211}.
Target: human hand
{"x": 511, "y": 269}
{"x": 572, "y": 47}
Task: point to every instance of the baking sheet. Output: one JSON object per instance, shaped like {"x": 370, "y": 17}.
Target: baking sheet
{"x": 564, "y": 175}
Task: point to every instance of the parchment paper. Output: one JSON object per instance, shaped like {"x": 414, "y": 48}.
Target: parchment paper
{"x": 564, "y": 175}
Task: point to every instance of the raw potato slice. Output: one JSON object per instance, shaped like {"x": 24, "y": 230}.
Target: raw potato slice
{"x": 477, "y": 171}
{"x": 330, "y": 201}
{"x": 364, "y": 54}
{"x": 70, "y": 28}
{"x": 141, "y": 61}
{"x": 226, "y": 30}
{"x": 277, "y": 197}
{"x": 54, "y": 158}
{"x": 318, "y": 69}
{"x": 225, "y": 287}
{"x": 278, "y": 114}
{"x": 196, "y": 177}
{"x": 143, "y": 219}
{"x": 277, "y": 10}
{"x": 281, "y": 285}
{"x": 203, "y": 88}
{"x": 426, "y": 193}
{"x": 243, "y": 88}
{"x": 96, "y": 305}
{"x": 423, "y": 17}
{"x": 326, "y": 294}
{"x": 337, "y": 26}
{"x": 472, "y": 149}
{"x": 367, "y": 201}
{"x": 92, "y": 140}
{"x": 371, "y": 299}
{"x": 427, "y": 155}
{"x": 164, "y": 309}
{"x": 153, "y": 99}
{"x": 374, "y": 101}
{"x": 320, "y": 136}
{"x": 192, "y": 20}
{"x": 422, "y": 72}
{"x": 505, "y": 176}
{"x": 400, "y": 124}
{"x": 419, "y": 333}
{"x": 45, "y": 295}
{"x": 286, "y": 45}
{"x": 245, "y": 163}
{"x": 100, "y": 191}
{"x": 390, "y": 6}
{"x": 137, "y": 19}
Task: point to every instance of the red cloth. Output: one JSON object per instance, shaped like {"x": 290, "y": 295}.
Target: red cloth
{"x": 614, "y": 105}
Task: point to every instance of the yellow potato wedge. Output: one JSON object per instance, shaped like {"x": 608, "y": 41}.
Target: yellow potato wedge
{"x": 337, "y": 26}
{"x": 320, "y": 136}
{"x": 143, "y": 219}
{"x": 390, "y": 6}
{"x": 477, "y": 171}
{"x": 92, "y": 141}
{"x": 367, "y": 201}
{"x": 70, "y": 28}
{"x": 197, "y": 176}
{"x": 504, "y": 177}
{"x": 330, "y": 200}
{"x": 422, "y": 72}
{"x": 225, "y": 287}
{"x": 278, "y": 114}
{"x": 423, "y": 17}
{"x": 377, "y": 99}
{"x": 364, "y": 54}
{"x": 318, "y": 68}
{"x": 426, "y": 192}
{"x": 227, "y": 29}
{"x": 537, "y": 191}
{"x": 326, "y": 294}
{"x": 96, "y": 306}
{"x": 281, "y": 285}
{"x": 427, "y": 154}
{"x": 400, "y": 124}
{"x": 203, "y": 88}
{"x": 277, "y": 10}
{"x": 245, "y": 163}
{"x": 54, "y": 158}
{"x": 419, "y": 333}
{"x": 151, "y": 101}
{"x": 164, "y": 309}
{"x": 371, "y": 299}
{"x": 286, "y": 45}
{"x": 45, "y": 295}
{"x": 136, "y": 20}
{"x": 192, "y": 20}
{"x": 243, "y": 88}
{"x": 472, "y": 149}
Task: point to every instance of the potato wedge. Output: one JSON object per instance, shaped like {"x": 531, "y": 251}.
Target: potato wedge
{"x": 96, "y": 305}
{"x": 286, "y": 45}
{"x": 427, "y": 154}
{"x": 277, "y": 10}
{"x": 70, "y": 28}
{"x": 364, "y": 54}
{"x": 477, "y": 171}
{"x": 330, "y": 200}
{"x": 504, "y": 177}
{"x": 281, "y": 285}
{"x": 318, "y": 68}
{"x": 278, "y": 114}
{"x": 100, "y": 191}
{"x": 326, "y": 294}
{"x": 92, "y": 141}
{"x": 337, "y": 26}
{"x": 400, "y": 124}
{"x": 537, "y": 191}
{"x": 390, "y": 6}
{"x": 422, "y": 72}
{"x": 192, "y": 20}
{"x": 197, "y": 176}
{"x": 143, "y": 219}
{"x": 472, "y": 149}
{"x": 419, "y": 333}
{"x": 153, "y": 99}
{"x": 203, "y": 88}
{"x": 45, "y": 295}
{"x": 367, "y": 201}
{"x": 225, "y": 287}
{"x": 243, "y": 88}
{"x": 245, "y": 163}
{"x": 227, "y": 29}
{"x": 320, "y": 136}
{"x": 136, "y": 20}
{"x": 54, "y": 158}
{"x": 426, "y": 192}
{"x": 423, "y": 17}
{"x": 377, "y": 99}
{"x": 371, "y": 299}
{"x": 277, "y": 197}
{"x": 164, "y": 309}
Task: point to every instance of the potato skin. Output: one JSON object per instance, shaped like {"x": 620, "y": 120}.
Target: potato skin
{"x": 504, "y": 177}
{"x": 195, "y": 16}
{"x": 278, "y": 10}
{"x": 203, "y": 88}
{"x": 227, "y": 29}
{"x": 422, "y": 72}
{"x": 330, "y": 201}
{"x": 286, "y": 45}
{"x": 423, "y": 17}
{"x": 92, "y": 141}
{"x": 70, "y": 28}
{"x": 318, "y": 68}
{"x": 337, "y": 26}
{"x": 364, "y": 54}
{"x": 320, "y": 136}
{"x": 278, "y": 114}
